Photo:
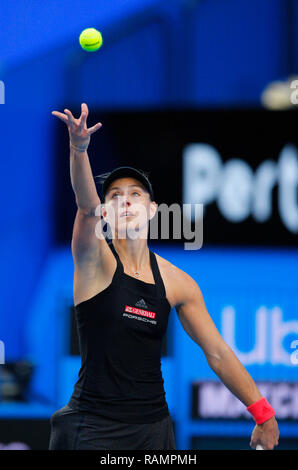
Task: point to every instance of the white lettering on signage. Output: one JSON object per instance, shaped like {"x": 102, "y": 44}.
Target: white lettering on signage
{"x": 223, "y": 403}
{"x": 238, "y": 191}
{"x": 270, "y": 331}
{"x": 294, "y": 94}
{"x": 2, "y": 92}
{"x": 214, "y": 400}
{"x": 2, "y": 353}
{"x": 294, "y": 355}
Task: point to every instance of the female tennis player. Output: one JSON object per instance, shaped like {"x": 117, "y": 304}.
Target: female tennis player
{"x": 123, "y": 294}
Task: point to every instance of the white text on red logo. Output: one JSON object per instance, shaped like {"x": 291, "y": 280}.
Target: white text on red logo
{"x": 138, "y": 311}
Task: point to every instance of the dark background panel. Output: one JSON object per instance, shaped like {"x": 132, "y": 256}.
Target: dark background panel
{"x": 33, "y": 433}
{"x": 154, "y": 141}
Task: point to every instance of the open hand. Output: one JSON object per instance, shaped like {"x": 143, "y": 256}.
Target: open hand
{"x": 78, "y": 133}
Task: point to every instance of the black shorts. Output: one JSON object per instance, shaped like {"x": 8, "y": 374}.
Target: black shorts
{"x": 79, "y": 430}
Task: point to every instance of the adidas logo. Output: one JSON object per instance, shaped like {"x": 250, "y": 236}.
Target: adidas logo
{"x": 141, "y": 303}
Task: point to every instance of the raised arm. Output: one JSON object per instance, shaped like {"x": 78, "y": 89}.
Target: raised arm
{"x": 86, "y": 246}
{"x": 197, "y": 322}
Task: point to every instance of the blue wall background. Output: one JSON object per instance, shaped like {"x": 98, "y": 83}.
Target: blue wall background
{"x": 156, "y": 54}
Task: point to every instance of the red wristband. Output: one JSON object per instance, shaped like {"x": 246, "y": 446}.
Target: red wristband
{"x": 261, "y": 410}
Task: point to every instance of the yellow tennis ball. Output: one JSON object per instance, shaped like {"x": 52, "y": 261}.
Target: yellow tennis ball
{"x": 90, "y": 39}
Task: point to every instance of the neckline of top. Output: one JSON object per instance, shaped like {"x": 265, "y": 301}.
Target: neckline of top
{"x": 151, "y": 255}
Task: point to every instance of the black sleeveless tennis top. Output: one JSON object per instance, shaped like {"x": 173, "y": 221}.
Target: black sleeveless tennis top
{"x": 120, "y": 333}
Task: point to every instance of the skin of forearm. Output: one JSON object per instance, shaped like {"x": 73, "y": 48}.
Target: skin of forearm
{"x": 235, "y": 377}
{"x": 82, "y": 180}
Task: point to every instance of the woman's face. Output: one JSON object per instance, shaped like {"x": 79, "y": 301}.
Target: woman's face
{"x": 128, "y": 208}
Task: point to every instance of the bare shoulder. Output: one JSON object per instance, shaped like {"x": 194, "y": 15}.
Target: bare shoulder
{"x": 178, "y": 284}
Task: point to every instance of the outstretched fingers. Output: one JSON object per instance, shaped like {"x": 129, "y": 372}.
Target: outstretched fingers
{"x": 84, "y": 108}
{"x": 94, "y": 128}
{"x": 61, "y": 116}
{"x": 82, "y": 121}
{"x": 71, "y": 119}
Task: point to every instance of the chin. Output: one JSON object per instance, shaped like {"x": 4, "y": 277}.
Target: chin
{"x": 124, "y": 229}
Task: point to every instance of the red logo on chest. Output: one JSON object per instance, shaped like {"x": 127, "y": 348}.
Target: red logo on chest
{"x": 138, "y": 311}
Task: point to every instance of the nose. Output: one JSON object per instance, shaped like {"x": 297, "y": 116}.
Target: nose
{"x": 125, "y": 201}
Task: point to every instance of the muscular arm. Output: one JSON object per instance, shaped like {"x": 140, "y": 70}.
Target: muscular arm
{"x": 86, "y": 246}
{"x": 82, "y": 182}
{"x": 197, "y": 322}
